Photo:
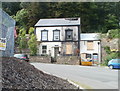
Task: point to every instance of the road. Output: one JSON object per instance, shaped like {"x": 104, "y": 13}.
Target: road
{"x": 88, "y": 77}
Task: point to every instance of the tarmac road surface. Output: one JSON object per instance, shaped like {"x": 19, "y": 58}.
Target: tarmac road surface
{"x": 88, "y": 77}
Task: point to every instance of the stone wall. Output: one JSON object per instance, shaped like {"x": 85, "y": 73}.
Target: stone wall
{"x": 113, "y": 44}
{"x": 41, "y": 59}
{"x": 70, "y": 60}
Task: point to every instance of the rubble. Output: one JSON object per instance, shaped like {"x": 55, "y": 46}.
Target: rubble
{"x": 17, "y": 74}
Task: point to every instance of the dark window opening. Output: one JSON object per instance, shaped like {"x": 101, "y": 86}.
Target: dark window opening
{"x": 88, "y": 55}
{"x": 69, "y": 34}
{"x": 44, "y": 49}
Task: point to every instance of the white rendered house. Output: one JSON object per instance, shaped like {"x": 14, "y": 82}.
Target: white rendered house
{"x": 90, "y": 47}
{"x": 59, "y": 36}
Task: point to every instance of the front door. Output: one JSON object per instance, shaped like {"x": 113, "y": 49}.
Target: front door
{"x": 56, "y": 52}
{"x": 95, "y": 58}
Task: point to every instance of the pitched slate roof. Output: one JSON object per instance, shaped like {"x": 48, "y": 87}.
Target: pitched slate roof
{"x": 90, "y": 36}
{"x": 58, "y": 22}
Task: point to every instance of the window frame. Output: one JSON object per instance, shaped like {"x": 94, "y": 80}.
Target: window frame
{"x": 42, "y": 35}
{"x": 68, "y": 30}
{"x": 88, "y": 55}
{"x": 54, "y": 35}
{"x": 44, "y": 49}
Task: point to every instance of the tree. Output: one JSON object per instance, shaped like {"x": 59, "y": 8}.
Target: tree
{"x": 113, "y": 33}
{"x": 22, "y": 18}
{"x": 111, "y": 22}
{"x": 11, "y": 7}
{"x": 31, "y": 31}
{"x": 95, "y": 17}
{"x": 32, "y": 43}
{"x": 22, "y": 41}
{"x": 38, "y": 10}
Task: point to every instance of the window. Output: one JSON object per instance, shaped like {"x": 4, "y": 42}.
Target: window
{"x": 68, "y": 49}
{"x": 44, "y": 49}
{"x": 56, "y": 35}
{"x": 44, "y": 35}
{"x": 69, "y": 34}
{"x": 89, "y": 45}
{"x": 88, "y": 55}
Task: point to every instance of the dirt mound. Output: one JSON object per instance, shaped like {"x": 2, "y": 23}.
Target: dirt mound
{"x": 18, "y": 74}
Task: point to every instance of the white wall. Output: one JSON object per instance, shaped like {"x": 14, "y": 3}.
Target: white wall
{"x": 96, "y": 48}
{"x": 83, "y": 47}
{"x": 62, "y": 32}
{"x": 50, "y": 46}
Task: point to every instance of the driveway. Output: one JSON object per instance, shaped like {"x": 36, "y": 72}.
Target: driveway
{"x": 88, "y": 77}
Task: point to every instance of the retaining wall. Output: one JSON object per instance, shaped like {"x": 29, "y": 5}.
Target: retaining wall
{"x": 70, "y": 60}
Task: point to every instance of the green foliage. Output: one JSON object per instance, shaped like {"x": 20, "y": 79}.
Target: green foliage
{"x": 32, "y": 43}
{"x": 22, "y": 32}
{"x": 107, "y": 49}
{"x": 110, "y": 56}
{"x": 11, "y": 8}
{"x": 95, "y": 17}
{"x": 22, "y": 18}
{"x": 114, "y": 33}
{"x": 31, "y": 31}
{"x": 22, "y": 41}
{"x": 111, "y": 22}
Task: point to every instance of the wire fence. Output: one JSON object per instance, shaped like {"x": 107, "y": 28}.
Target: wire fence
{"x": 7, "y": 27}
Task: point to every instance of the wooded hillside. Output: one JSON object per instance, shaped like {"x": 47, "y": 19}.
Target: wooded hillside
{"x": 95, "y": 17}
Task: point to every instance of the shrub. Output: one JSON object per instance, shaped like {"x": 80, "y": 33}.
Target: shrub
{"x": 111, "y": 56}
{"x": 32, "y": 43}
{"x": 107, "y": 49}
{"x": 114, "y": 33}
{"x": 21, "y": 40}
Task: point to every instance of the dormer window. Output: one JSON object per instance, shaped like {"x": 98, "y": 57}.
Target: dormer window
{"x": 56, "y": 35}
{"x": 44, "y": 35}
{"x": 69, "y": 34}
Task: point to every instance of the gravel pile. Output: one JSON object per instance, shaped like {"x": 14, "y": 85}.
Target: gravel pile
{"x": 18, "y": 74}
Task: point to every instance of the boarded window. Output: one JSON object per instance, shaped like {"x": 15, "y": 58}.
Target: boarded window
{"x": 89, "y": 45}
{"x": 68, "y": 49}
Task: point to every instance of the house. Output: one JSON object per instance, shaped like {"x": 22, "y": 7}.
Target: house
{"x": 90, "y": 47}
{"x": 59, "y": 36}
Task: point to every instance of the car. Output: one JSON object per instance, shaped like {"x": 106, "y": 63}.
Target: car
{"x": 22, "y": 57}
{"x": 114, "y": 63}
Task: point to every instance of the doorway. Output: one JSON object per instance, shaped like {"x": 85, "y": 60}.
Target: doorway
{"x": 56, "y": 52}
